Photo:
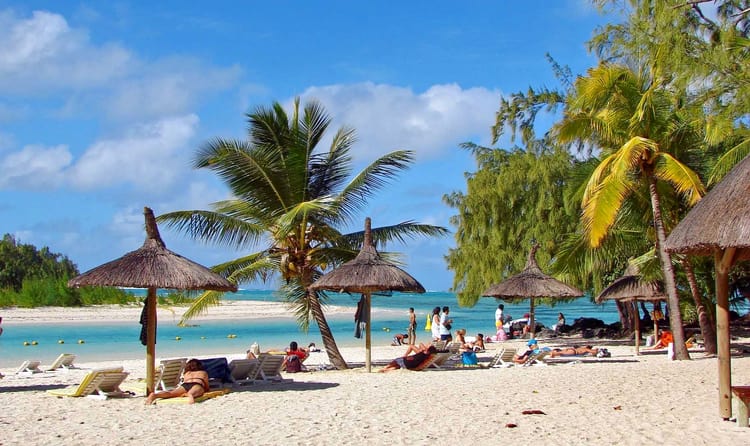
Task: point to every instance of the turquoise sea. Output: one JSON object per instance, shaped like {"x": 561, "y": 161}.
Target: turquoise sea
{"x": 118, "y": 341}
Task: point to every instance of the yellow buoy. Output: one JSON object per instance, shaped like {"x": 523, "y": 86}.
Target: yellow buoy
{"x": 25, "y": 342}
{"x": 61, "y": 341}
{"x": 203, "y": 337}
{"x": 80, "y": 341}
{"x": 177, "y": 338}
{"x": 34, "y": 343}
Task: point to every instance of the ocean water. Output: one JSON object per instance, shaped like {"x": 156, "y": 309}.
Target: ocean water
{"x": 118, "y": 341}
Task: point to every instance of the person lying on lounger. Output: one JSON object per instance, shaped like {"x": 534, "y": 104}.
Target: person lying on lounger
{"x": 574, "y": 351}
{"x": 412, "y": 359}
{"x": 194, "y": 384}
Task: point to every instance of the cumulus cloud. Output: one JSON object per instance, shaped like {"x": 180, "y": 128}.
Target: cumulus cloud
{"x": 389, "y": 117}
{"x": 34, "y": 167}
{"x": 42, "y": 52}
{"x": 148, "y": 156}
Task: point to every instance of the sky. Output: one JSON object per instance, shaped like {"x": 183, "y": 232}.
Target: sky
{"x": 103, "y": 105}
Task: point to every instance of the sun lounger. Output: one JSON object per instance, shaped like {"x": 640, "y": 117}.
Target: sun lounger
{"x": 64, "y": 361}
{"x": 169, "y": 373}
{"x": 29, "y": 367}
{"x": 218, "y": 371}
{"x": 244, "y": 371}
{"x": 270, "y": 367}
{"x": 440, "y": 360}
{"x": 96, "y": 382}
{"x": 536, "y": 358}
{"x": 503, "y": 358}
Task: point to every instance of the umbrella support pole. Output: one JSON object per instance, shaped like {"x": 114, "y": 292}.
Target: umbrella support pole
{"x": 532, "y": 320}
{"x": 150, "y": 340}
{"x": 637, "y": 330}
{"x": 723, "y": 264}
{"x": 368, "y": 338}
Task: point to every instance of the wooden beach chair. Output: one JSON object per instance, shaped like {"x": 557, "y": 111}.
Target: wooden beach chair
{"x": 97, "y": 381}
{"x": 440, "y": 360}
{"x": 536, "y": 358}
{"x": 29, "y": 367}
{"x": 168, "y": 373}
{"x": 503, "y": 358}
{"x": 64, "y": 361}
{"x": 244, "y": 371}
{"x": 270, "y": 367}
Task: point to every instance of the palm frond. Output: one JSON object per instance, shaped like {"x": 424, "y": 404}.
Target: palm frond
{"x": 213, "y": 227}
{"x": 201, "y": 304}
{"x": 683, "y": 179}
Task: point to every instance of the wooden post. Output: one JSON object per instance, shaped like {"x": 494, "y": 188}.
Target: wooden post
{"x": 637, "y": 323}
{"x": 368, "y": 339}
{"x": 723, "y": 264}
{"x": 532, "y": 321}
{"x": 150, "y": 340}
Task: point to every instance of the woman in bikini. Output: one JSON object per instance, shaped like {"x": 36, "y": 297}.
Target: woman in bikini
{"x": 194, "y": 384}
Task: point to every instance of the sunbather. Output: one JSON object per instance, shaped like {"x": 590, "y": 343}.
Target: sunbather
{"x": 194, "y": 384}
{"x": 411, "y": 361}
{"x": 574, "y": 351}
{"x": 533, "y": 349}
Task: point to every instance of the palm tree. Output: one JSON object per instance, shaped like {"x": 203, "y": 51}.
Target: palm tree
{"x": 290, "y": 198}
{"x": 636, "y": 125}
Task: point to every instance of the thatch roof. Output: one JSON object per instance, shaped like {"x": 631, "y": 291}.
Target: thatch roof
{"x": 631, "y": 287}
{"x": 153, "y": 266}
{"x": 532, "y": 282}
{"x": 720, "y": 220}
{"x": 368, "y": 273}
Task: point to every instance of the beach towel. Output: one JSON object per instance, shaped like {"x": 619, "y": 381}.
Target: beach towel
{"x": 200, "y": 399}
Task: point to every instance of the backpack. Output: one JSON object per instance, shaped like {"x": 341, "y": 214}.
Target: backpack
{"x": 293, "y": 364}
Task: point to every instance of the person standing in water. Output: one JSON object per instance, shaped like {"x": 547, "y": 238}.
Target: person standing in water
{"x": 412, "y": 329}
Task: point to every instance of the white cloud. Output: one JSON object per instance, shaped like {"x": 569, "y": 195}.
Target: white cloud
{"x": 34, "y": 167}
{"x": 149, "y": 156}
{"x": 42, "y": 52}
{"x": 387, "y": 117}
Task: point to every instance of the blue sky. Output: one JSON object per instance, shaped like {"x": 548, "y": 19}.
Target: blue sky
{"x": 103, "y": 104}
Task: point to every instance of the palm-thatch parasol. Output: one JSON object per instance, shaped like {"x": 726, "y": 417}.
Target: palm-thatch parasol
{"x": 630, "y": 287}
{"x": 719, "y": 225}
{"x": 531, "y": 283}
{"x": 153, "y": 266}
{"x": 367, "y": 273}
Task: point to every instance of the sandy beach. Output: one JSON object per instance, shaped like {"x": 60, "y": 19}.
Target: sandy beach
{"x": 619, "y": 400}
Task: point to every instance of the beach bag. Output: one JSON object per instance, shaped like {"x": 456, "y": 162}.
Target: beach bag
{"x": 469, "y": 358}
{"x": 293, "y": 364}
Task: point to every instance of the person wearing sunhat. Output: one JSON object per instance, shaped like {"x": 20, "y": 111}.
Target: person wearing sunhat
{"x": 533, "y": 349}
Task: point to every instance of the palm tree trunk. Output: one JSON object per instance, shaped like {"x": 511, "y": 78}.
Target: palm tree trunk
{"x": 325, "y": 333}
{"x": 708, "y": 329}
{"x": 673, "y": 300}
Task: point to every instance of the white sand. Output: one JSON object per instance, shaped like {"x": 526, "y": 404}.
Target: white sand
{"x": 621, "y": 400}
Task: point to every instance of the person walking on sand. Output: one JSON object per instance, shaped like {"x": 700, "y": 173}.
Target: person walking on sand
{"x": 435, "y": 324}
{"x": 499, "y": 316}
{"x": 445, "y": 325}
{"x": 412, "y": 329}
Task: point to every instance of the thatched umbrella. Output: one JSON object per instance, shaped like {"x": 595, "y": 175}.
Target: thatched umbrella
{"x": 531, "y": 283}
{"x": 630, "y": 288}
{"x": 719, "y": 225}
{"x": 367, "y": 273}
{"x": 153, "y": 266}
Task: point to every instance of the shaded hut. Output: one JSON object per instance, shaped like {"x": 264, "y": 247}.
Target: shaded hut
{"x": 630, "y": 288}
{"x": 153, "y": 266}
{"x": 719, "y": 226}
{"x": 367, "y": 273}
{"x": 532, "y": 283}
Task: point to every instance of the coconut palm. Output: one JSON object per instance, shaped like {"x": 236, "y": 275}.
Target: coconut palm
{"x": 290, "y": 198}
{"x": 641, "y": 135}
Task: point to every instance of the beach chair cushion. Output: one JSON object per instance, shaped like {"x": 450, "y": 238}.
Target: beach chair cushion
{"x": 218, "y": 370}
{"x": 200, "y": 399}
